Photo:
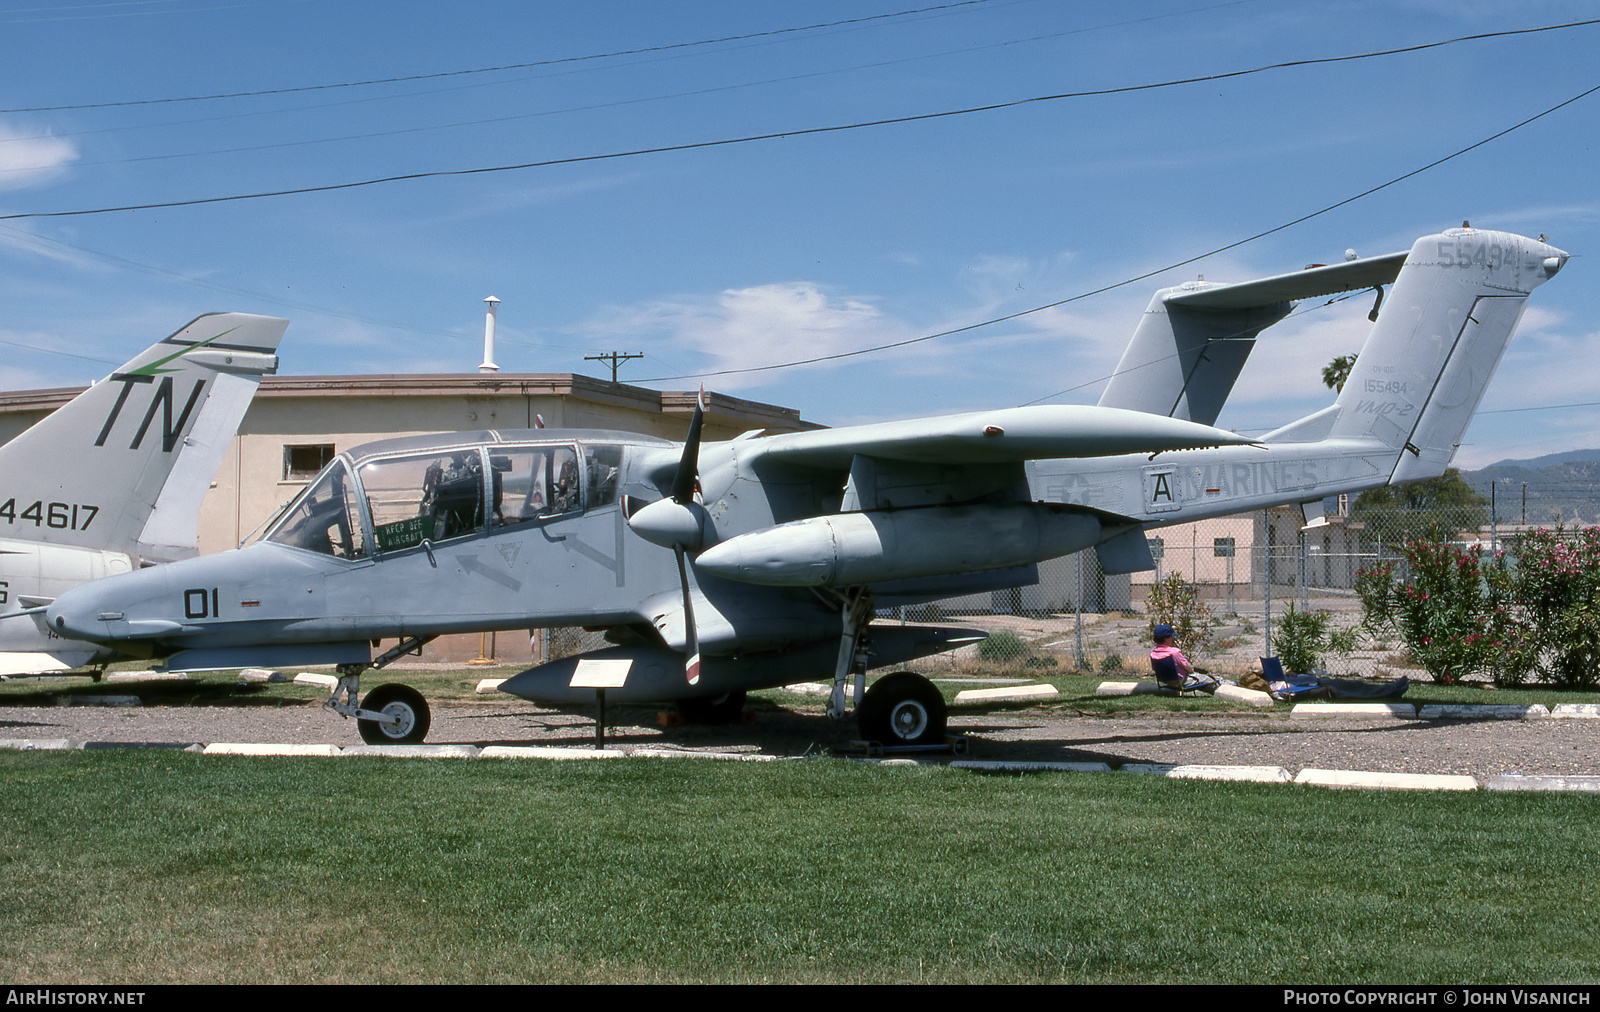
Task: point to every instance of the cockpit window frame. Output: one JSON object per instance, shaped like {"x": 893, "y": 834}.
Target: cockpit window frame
{"x": 288, "y": 515}
{"x": 377, "y": 551}
{"x": 609, "y": 454}
{"x": 550, "y": 480}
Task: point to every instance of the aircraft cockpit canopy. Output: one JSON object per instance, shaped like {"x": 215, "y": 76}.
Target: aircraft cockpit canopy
{"x": 442, "y": 495}
{"x": 324, "y": 519}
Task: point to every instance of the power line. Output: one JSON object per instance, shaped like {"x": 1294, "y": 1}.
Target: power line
{"x": 1542, "y": 407}
{"x": 724, "y": 142}
{"x": 620, "y": 103}
{"x": 266, "y": 297}
{"x": 1128, "y": 281}
{"x": 497, "y": 69}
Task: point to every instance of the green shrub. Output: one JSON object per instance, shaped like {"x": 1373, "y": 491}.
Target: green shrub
{"x": 1176, "y": 602}
{"x": 1002, "y": 648}
{"x": 1303, "y": 637}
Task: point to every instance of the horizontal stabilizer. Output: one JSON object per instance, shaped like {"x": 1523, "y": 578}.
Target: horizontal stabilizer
{"x": 1310, "y": 283}
{"x": 1194, "y": 339}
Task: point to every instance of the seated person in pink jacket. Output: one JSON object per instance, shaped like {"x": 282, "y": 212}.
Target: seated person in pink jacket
{"x": 1173, "y": 670}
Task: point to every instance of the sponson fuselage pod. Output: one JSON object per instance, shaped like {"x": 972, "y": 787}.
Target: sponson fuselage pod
{"x": 850, "y": 549}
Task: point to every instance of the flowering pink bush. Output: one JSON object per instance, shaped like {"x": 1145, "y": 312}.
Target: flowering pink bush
{"x": 1536, "y": 608}
{"x": 1557, "y": 587}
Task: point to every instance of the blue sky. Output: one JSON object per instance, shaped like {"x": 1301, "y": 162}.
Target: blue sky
{"x": 755, "y": 253}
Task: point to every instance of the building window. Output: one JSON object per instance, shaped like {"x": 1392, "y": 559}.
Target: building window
{"x": 1222, "y": 548}
{"x": 302, "y": 463}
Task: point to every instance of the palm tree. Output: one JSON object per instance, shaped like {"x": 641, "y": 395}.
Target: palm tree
{"x": 1337, "y": 372}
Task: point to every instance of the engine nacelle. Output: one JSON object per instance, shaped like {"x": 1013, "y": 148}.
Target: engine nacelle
{"x": 850, "y": 549}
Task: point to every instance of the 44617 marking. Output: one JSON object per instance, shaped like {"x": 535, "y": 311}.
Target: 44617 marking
{"x": 62, "y": 516}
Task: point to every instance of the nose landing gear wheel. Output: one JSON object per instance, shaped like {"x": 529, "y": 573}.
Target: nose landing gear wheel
{"x": 400, "y": 701}
{"x": 902, "y": 709}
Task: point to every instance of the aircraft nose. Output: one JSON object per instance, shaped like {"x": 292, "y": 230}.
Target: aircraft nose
{"x": 73, "y": 616}
{"x": 87, "y": 612}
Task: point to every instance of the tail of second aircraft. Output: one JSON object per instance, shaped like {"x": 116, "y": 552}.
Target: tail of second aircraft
{"x": 1440, "y": 336}
{"x": 124, "y": 466}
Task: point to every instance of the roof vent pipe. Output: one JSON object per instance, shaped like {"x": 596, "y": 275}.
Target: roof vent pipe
{"x": 488, "y": 336}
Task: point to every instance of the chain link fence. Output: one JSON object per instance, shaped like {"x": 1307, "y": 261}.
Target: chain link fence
{"x": 1250, "y": 569}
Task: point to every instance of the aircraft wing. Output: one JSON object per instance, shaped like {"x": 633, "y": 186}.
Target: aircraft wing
{"x": 1331, "y": 279}
{"x": 1008, "y": 435}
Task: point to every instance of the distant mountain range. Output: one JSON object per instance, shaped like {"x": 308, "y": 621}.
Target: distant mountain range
{"x": 1560, "y": 486}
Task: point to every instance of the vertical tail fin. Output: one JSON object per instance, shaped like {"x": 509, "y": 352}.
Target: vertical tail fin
{"x": 124, "y": 466}
{"x": 1442, "y": 331}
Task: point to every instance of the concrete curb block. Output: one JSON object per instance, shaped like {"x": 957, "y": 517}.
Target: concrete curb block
{"x": 328, "y": 682}
{"x": 40, "y": 744}
{"x": 1570, "y": 711}
{"x": 1403, "y": 711}
{"x": 1017, "y": 692}
{"x": 486, "y": 686}
{"x": 1484, "y": 711}
{"x": 1024, "y": 766}
{"x": 548, "y": 752}
{"x": 261, "y": 675}
{"x": 809, "y": 688}
{"x": 1126, "y": 689}
{"x": 147, "y": 676}
{"x": 1522, "y": 782}
{"x": 1390, "y": 781}
{"x": 1248, "y": 774}
{"x": 414, "y": 751}
{"x": 247, "y": 748}
{"x": 668, "y": 753}
{"x": 1240, "y": 694}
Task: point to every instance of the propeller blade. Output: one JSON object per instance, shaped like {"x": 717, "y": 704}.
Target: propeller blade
{"x": 688, "y": 467}
{"x": 691, "y": 640}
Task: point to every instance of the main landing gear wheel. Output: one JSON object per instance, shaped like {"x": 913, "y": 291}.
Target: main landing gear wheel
{"x": 723, "y": 709}
{"x": 400, "y": 701}
{"x": 902, "y": 709}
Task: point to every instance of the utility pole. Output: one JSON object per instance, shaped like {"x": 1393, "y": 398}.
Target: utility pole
{"x": 616, "y": 358}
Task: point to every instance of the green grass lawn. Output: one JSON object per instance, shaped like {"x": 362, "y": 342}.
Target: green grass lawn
{"x": 145, "y": 867}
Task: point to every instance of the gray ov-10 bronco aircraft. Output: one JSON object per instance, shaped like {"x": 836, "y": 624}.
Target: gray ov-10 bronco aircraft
{"x": 113, "y": 479}
{"x": 759, "y": 561}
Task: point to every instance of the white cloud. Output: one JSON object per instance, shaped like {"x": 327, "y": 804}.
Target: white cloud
{"x": 28, "y": 158}
{"x": 746, "y": 327}
{"x": 1545, "y": 365}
